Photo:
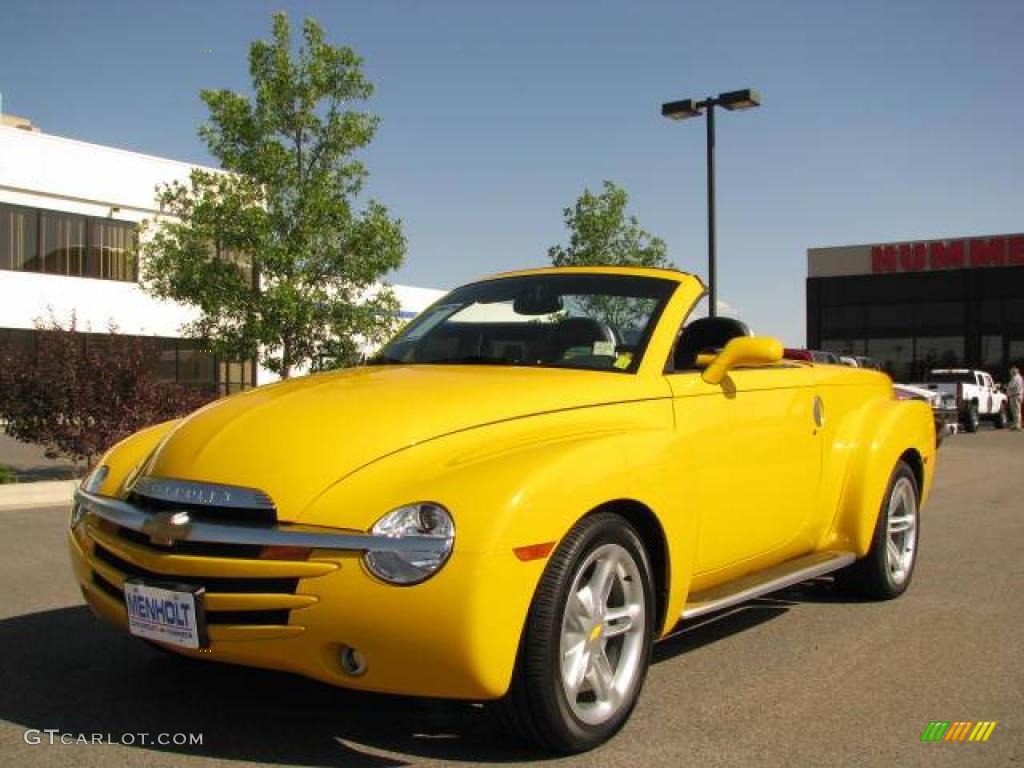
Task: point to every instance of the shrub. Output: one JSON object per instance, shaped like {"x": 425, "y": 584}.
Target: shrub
{"x": 77, "y": 399}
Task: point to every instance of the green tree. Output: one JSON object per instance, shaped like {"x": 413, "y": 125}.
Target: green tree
{"x": 601, "y": 234}
{"x": 273, "y": 252}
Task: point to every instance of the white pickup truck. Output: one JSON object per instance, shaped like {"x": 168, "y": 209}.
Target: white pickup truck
{"x": 975, "y": 394}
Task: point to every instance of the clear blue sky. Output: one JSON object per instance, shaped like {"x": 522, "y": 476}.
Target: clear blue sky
{"x": 882, "y": 120}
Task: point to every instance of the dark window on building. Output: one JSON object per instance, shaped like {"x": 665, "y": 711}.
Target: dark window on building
{"x": 940, "y": 317}
{"x": 842, "y": 320}
{"x": 890, "y": 318}
{"x": 59, "y": 243}
{"x": 1013, "y": 313}
{"x": 197, "y": 365}
{"x": 992, "y": 314}
{"x": 168, "y": 367}
{"x": 62, "y": 244}
{"x": 1016, "y": 353}
{"x": 940, "y": 351}
{"x": 234, "y": 377}
{"x": 991, "y": 351}
{"x": 111, "y": 253}
{"x": 183, "y": 361}
{"x": 16, "y": 340}
{"x": 896, "y": 355}
{"x": 845, "y": 346}
{"x": 19, "y": 233}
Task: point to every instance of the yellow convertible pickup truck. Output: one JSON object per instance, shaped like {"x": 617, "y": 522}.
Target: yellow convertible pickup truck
{"x": 540, "y": 476}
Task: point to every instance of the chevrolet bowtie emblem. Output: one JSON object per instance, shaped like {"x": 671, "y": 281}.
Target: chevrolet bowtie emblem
{"x": 165, "y": 528}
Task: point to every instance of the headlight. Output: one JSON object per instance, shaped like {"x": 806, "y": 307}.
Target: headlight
{"x": 95, "y": 480}
{"x": 424, "y": 521}
{"x": 91, "y": 484}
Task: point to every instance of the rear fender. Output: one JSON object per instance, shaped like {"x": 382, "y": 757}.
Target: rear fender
{"x": 872, "y": 439}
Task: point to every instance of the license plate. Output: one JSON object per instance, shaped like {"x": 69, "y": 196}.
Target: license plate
{"x": 167, "y": 613}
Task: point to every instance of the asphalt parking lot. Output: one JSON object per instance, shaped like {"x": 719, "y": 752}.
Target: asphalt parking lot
{"x": 805, "y": 678}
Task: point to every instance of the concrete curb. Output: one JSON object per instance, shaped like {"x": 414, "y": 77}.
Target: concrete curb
{"x": 28, "y": 495}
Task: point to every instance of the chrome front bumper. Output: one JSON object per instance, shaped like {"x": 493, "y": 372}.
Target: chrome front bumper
{"x": 171, "y": 526}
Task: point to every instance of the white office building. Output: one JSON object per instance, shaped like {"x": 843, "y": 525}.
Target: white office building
{"x": 69, "y": 216}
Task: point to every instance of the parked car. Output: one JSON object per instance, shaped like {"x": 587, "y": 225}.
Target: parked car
{"x": 943, "y": 405}
{"x": 975, "y": 394}
{"x": 508, "y": 506}
{"x": 821, "y": 356}
{"x": 868, "y": 362}
{"x": 811, "y": 356}
{"x": 849, "y": 360}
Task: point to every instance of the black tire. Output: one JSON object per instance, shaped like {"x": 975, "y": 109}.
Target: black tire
{"x": 873, "y": 576}
{"x": 1001, "y": 419}
{"x": 971, "y": 418}
{"x": 537, "y": 707}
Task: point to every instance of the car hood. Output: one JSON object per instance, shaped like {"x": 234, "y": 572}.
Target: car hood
{"x": 296, "y": 438}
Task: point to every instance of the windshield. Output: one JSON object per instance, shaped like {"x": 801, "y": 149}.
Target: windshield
{"x": 599, "y": 322}
{"x": 950, "y": 377}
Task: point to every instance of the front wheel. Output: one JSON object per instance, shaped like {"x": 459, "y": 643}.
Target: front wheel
{"x": 587, "y": 642}
{"x": 886, "y": 570}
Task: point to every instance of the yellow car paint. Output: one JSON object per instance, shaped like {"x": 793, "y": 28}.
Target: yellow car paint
{"x": 773, "y": 461}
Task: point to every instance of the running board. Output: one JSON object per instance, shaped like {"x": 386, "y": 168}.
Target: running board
{"x": 763, "y": 582}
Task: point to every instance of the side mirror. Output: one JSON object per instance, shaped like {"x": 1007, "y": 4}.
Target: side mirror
{"x": 743, "y": 350}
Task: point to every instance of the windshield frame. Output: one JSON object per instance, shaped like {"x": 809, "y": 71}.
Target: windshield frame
{"x": 667, "y": 286}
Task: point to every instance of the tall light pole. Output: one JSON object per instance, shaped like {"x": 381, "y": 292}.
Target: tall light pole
{"x": 686, "y": 108}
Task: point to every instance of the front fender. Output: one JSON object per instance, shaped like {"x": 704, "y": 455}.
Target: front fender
{"x": 867, "y": 446}
{"x": 519, "y": 483}
{"x": 126, "y": 456}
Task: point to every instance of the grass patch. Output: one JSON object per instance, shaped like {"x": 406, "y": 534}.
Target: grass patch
{"x": 7, "y": 475}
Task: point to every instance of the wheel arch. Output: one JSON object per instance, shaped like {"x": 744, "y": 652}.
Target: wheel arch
{"x": 915, "y": 461}
{"x": 652, "y": 535}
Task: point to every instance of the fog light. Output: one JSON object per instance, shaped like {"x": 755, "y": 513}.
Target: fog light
{"x": 352, "y": 661}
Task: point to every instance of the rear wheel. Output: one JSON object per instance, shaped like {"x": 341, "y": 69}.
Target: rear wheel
{"x": 587, "y": 642}
{"x": 1002, "y": 418}
{"x": 886, "y": 570}
{"x": 971, "y": 418}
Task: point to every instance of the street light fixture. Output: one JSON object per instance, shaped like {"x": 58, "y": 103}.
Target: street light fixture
{"x": 687, "y": 108}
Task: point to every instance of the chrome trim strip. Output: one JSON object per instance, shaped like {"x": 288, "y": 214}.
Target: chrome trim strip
{"x": 129, "y": 516}
{"x": 198, "y": 493}
{"x": 839, "y": 560}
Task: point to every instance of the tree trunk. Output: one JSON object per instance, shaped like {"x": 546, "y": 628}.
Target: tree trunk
{"x": 286, "y": 360}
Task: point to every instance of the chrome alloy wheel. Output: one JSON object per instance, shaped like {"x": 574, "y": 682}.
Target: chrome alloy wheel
{"x": 901, "y": 526}
{"x": 602, "y": 637}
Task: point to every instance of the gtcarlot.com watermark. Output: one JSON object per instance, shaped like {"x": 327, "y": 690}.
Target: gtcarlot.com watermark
{"x": 56, "y": 736}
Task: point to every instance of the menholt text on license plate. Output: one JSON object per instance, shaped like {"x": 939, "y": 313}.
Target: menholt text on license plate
{"x": 164, "y": 614}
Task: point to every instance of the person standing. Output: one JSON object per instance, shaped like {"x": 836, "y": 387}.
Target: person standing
{"x": 1015, "y": 391}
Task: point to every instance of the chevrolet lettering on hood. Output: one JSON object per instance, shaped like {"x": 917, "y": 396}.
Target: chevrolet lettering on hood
{"x": 544, "y": 473}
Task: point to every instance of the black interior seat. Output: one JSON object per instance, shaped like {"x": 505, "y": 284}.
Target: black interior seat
{"x": 572, "y": 332}
{"x": 707, "y": 335}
